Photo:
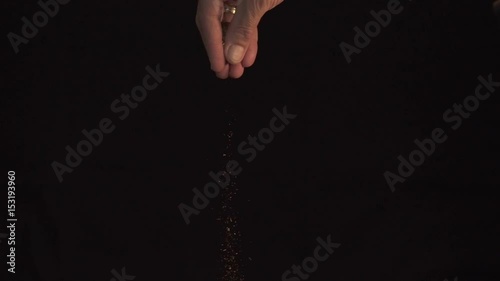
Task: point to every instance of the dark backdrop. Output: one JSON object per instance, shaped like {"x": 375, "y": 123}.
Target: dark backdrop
{"x": 322, "y": 175}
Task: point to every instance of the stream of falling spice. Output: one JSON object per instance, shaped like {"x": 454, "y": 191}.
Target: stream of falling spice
{"x": 230, "y": 247}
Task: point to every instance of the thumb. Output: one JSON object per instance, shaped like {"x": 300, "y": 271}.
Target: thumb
{"x": 243, "y": 28}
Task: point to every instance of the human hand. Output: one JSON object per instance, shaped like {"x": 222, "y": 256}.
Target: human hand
{"x": 240, "y": 48}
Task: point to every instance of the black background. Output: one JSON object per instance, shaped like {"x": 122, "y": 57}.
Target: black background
{"x": 322, "y": 175}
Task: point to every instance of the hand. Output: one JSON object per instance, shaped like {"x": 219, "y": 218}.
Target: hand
{"x": 240, "y": 48}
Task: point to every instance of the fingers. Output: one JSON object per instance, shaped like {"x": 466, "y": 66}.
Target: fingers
{"x": 251, "y": 53}
{"x": 240, "y": 48}
{"x": 236, "y": 70}
{"x": 224, "y": 73}
{"x": 208, "y": 22}
{"x": 242, "y": 33}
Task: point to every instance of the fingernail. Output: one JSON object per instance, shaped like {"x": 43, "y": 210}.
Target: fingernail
{"x": 235, "y": 53}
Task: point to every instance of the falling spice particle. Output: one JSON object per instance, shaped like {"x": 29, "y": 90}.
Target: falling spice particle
{"x": 231, "y": 243}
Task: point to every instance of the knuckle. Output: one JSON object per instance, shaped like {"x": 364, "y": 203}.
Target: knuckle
{"x": 246, "y": 32}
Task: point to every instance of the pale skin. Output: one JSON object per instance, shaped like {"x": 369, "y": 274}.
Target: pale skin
{"x": 242, "y": 32}
{"x": 240, "y": 48}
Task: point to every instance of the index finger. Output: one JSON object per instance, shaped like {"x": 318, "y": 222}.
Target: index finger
{"x": 208, "y": 20}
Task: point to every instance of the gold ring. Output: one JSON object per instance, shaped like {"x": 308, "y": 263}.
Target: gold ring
{"x": 229, "y": 9}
